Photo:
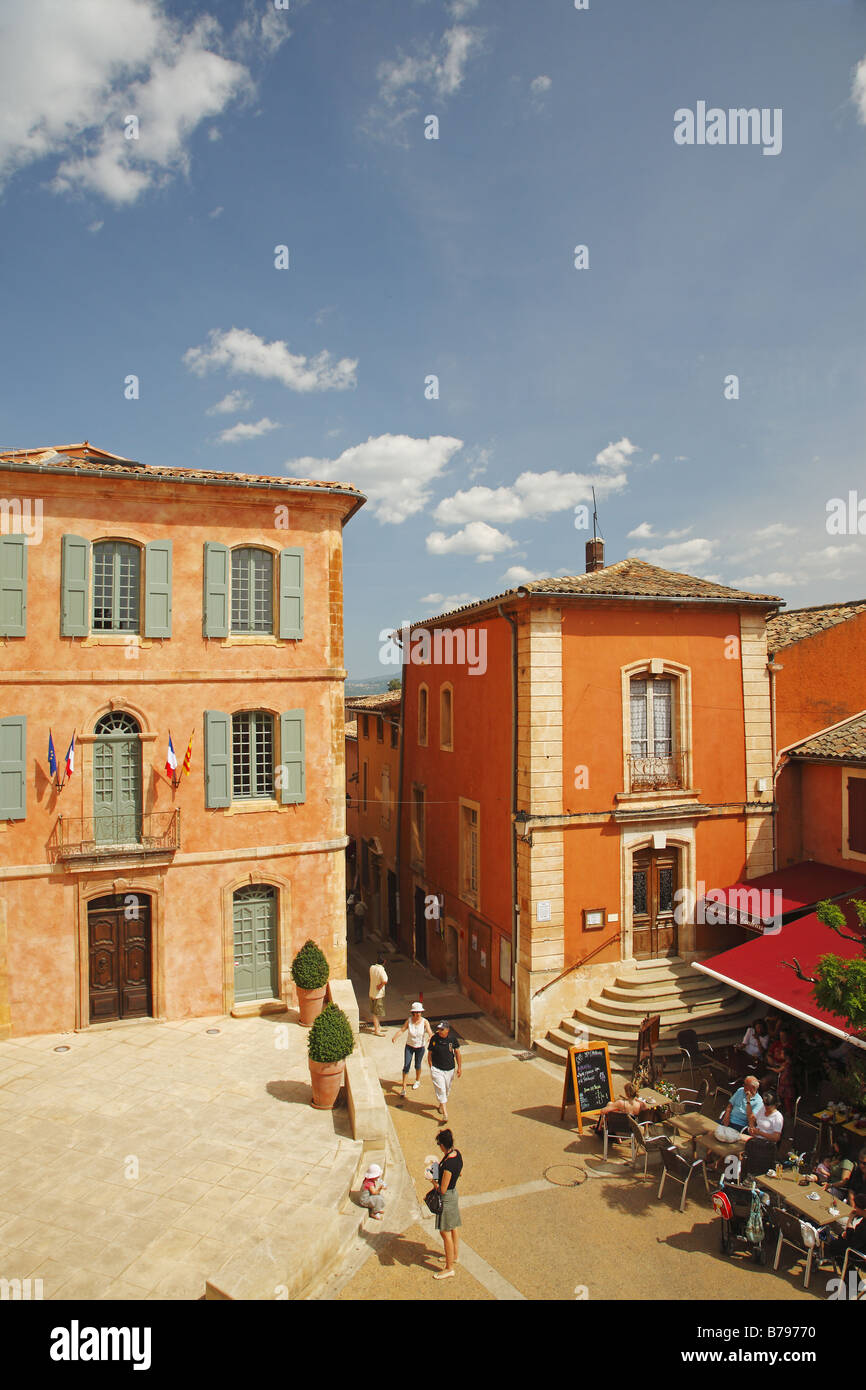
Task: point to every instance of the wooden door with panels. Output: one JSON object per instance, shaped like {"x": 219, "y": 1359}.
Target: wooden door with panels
{"x": 655, "y": 880}
{"x": 119, "y": 943}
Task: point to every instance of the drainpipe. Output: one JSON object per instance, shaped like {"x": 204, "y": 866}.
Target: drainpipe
{"x": 772, "y": 668}
{"x": 515, "y": 911}
{"x": 399, "y": 641}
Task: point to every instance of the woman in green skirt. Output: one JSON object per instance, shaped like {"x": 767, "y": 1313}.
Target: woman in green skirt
{"x": 448, "y": 1220}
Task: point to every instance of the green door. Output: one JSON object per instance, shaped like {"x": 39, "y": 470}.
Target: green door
{"x": 117, "y": 781}
{"x": 255, "y": 927}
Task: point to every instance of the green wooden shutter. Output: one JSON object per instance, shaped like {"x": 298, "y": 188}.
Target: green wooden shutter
{"x": 157, "y": 590}
{"x": 13, "y": 586}
{"x": 13, "y": 748}
{"x": 217, "y": 589}
{"x": 75, "y": 586}
{"x": 217, "y": 758}
{"x": 291, "y": 593}
{"x": 293, "y": 776}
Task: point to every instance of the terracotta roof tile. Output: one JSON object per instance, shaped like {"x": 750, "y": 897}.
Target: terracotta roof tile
{"x": 786, "y": 628}
{"x": 388, "y": 701}
{"x": 845, "y": 742}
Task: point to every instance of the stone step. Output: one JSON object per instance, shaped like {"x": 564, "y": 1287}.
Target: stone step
{"x": 719, "y": 1019}
{"x": 670, "y": 1007}
{"x": 555, "y": 1049}
{"x": 642, "y": 988}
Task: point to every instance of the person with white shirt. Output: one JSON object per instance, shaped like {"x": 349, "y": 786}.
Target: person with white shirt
{"x": 419, "y": 1033}
{"x": 766, "y": 1122}
{"x": 756, "y": 1040}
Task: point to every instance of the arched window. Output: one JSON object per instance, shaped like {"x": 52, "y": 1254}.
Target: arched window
{"x": 446, "y": 717}
{"x": 252, "y": 590}
{"x": 422, "y": 716}
{"x": 116, "y": 586}
{"x": 117, "y": 779}
{"x": 252, "y": 754}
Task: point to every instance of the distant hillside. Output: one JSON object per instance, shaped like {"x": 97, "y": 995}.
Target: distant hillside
{"x": 376, "y": 685}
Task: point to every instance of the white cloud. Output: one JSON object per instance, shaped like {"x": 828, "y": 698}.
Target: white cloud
{"x": 766, "y": 583}
{"x": 216, "y": 212}
{"x": 518, "y": 574}
{"x": 230, "y": 404}
{"x": 858, "y": 90}
{"x": 241, "y": 351}
{"x": 435, "y": 72}
{"x": 644, "y": 532}
{"x": 777, "y": 531}
{"x": 243, "y": 430}
{"x": 394, "y": 470}
{"x": 477, "y": 538}
{"x": 460, "y": 9}
{"x": 70, "y": 75}
{"x": 96, "y": 226}
{"x": 538, "y": 494}
{"x": 539, "y": 85}
{"x": 683, "y": 555}
{"x": 442, "y": 603}
{"x": 214, "y": 133}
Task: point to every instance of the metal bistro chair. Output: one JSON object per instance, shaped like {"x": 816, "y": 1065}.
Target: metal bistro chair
{"x": 857, "y": 1260}
{"x": 616, "y": 1127}
{"x": 643, "y": 1141}
{"x": 696, "y": 1053}
{"x": 675, "y": 1165}
{"x": 694, "y": 1099}
{"x": 789, "y": 1227}
{"x": 758, "y": 1156}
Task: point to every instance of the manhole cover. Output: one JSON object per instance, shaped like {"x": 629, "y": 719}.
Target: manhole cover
{"x": 565, "y": 1175}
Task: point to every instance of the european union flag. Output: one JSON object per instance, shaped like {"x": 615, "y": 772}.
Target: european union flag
{"x": 52, "y": 756}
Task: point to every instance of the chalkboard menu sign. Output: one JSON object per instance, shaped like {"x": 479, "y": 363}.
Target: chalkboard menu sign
{"x": 588, "y": 1084}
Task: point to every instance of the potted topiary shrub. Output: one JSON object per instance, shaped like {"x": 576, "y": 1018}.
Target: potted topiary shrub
{"x": 329, "y": 1043}
{"x": 310, "y": 974}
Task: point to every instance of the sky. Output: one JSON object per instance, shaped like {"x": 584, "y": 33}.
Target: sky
{"x": 430, "y": 331}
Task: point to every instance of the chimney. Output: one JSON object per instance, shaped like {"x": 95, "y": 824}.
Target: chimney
{"x": 594, "y": 555}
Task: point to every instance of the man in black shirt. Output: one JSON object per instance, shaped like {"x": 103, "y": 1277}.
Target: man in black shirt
{"x": 443, "y": 1055}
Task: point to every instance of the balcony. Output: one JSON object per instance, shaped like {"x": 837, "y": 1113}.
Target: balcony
{"x": 652, "y": 772}
{"x": 107, "y": 837}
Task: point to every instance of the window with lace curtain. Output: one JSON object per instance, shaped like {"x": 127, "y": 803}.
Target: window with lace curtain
{"x": 653, "y": 755}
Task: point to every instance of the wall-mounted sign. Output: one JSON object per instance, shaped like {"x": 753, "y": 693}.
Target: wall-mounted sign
{"x": 542, "y": 913}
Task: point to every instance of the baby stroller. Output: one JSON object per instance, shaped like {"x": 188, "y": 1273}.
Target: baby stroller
{"x": 739, "y": 1206}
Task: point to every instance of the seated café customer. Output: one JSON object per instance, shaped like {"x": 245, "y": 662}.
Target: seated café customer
{"x": 787, "y": 1082}
{"x": 629, "y": 1104}
{"x": 834, "y": 1170}
{"x": 755, "y": 1041}
{"x": 856, "y": 1179}
{"x": 744, "y": 1101}
{"x": 854, "y": 1234}
{"x": 766, "y": 1123}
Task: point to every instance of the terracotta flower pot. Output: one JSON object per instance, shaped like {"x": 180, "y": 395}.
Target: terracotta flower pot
{"x": 327, "y": 1079}
{"x": 310, "y": 1002}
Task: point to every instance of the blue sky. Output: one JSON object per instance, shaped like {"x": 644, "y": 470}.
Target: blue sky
{"x": 412, "y": 257}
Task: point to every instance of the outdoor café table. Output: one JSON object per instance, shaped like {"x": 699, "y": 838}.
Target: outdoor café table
{"x": 654, "y": 1098}
{"x": 798, "y": 1199}
{"x": 859, "y": 1130}
{"x": 701, "y": 1129}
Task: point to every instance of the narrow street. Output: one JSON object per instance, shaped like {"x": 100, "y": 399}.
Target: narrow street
{"x": 544, "y": 1217}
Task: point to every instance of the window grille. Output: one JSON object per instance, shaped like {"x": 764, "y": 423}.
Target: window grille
{"x": 252, "y": 754}
{"x": 252, "y": 591}
{"x": 116, "y": 586}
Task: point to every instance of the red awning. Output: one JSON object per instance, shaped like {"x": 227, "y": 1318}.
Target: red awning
{"x": 800, "y": 885}
{"x": 756, "y": 968}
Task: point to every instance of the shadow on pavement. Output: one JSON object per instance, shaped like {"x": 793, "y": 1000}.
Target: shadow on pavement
{"x": 397, "y": 1250}
{"x": 291, "y": 1092}
{"x": 545, "y": 1115}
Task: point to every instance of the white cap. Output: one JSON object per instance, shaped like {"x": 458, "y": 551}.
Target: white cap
{"x": 374, "y": 1171}
{"x": 417, "y": 1008}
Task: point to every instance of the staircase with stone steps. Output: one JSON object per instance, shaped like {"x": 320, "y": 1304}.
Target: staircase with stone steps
{"x": 682, "y": 996}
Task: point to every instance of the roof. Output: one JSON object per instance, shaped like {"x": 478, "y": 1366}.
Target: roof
{"x": 784, "y": 629}
{"x": 386, "y": 703}
{"x": 757, "y": 968}
{"x": 844, "y": 742}
{"x": 352, "y": 729}
{"x": 625, "y": 579}
{"x": 86, "y": 458}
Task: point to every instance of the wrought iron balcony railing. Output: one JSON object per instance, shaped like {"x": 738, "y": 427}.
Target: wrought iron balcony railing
{"x": 89, "y": 837}
{"x": 655, "y": 771}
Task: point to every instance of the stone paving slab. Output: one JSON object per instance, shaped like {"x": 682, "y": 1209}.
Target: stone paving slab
{"x": 134, "y": 1164}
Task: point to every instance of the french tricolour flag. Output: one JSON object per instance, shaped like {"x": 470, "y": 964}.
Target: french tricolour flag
{"x": 170, "y": 760}
{"x": 70, "y": 758}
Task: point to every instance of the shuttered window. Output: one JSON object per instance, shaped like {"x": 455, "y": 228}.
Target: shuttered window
{"x": 857, "y": 814}
{"x": 13, "y": 753}
{"x": 13, "y": 586}
{"x": 252, "y": 591}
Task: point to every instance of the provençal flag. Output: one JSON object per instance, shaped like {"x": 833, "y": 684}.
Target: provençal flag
{"x": 187, "y": 757}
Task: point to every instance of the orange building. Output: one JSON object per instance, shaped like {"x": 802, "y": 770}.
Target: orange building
{"x": 372, "y": 819}
{"x": 819, "y": 660}
{"x": 582, "y": 758}
{"x": 138, "y": 603}
{"x": 821, "y": 792}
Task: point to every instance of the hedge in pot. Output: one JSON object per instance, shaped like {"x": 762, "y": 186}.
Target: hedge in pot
{"x": 329, "y": 1043}
{"x": 310, "y": 974}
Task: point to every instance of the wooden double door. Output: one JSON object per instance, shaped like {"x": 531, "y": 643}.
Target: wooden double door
{"x": 119, "y": 934}
{"x": 655, "y": 880}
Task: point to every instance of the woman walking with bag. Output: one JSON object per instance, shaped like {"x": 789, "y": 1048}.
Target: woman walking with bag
{"x": 448, "y": 1219}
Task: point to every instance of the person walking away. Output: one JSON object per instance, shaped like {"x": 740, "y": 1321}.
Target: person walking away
{"x": 378, "y": 981}
{"x": 419, "y": 1034}
{"x": 359, "y": 912}
{"x": 371, "y": 1191}
{"x": 448, "y": 1220}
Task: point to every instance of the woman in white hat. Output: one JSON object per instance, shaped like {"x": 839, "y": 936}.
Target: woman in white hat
{"x": 419, "y": 1033}
{"x": 371, "y": 1191}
